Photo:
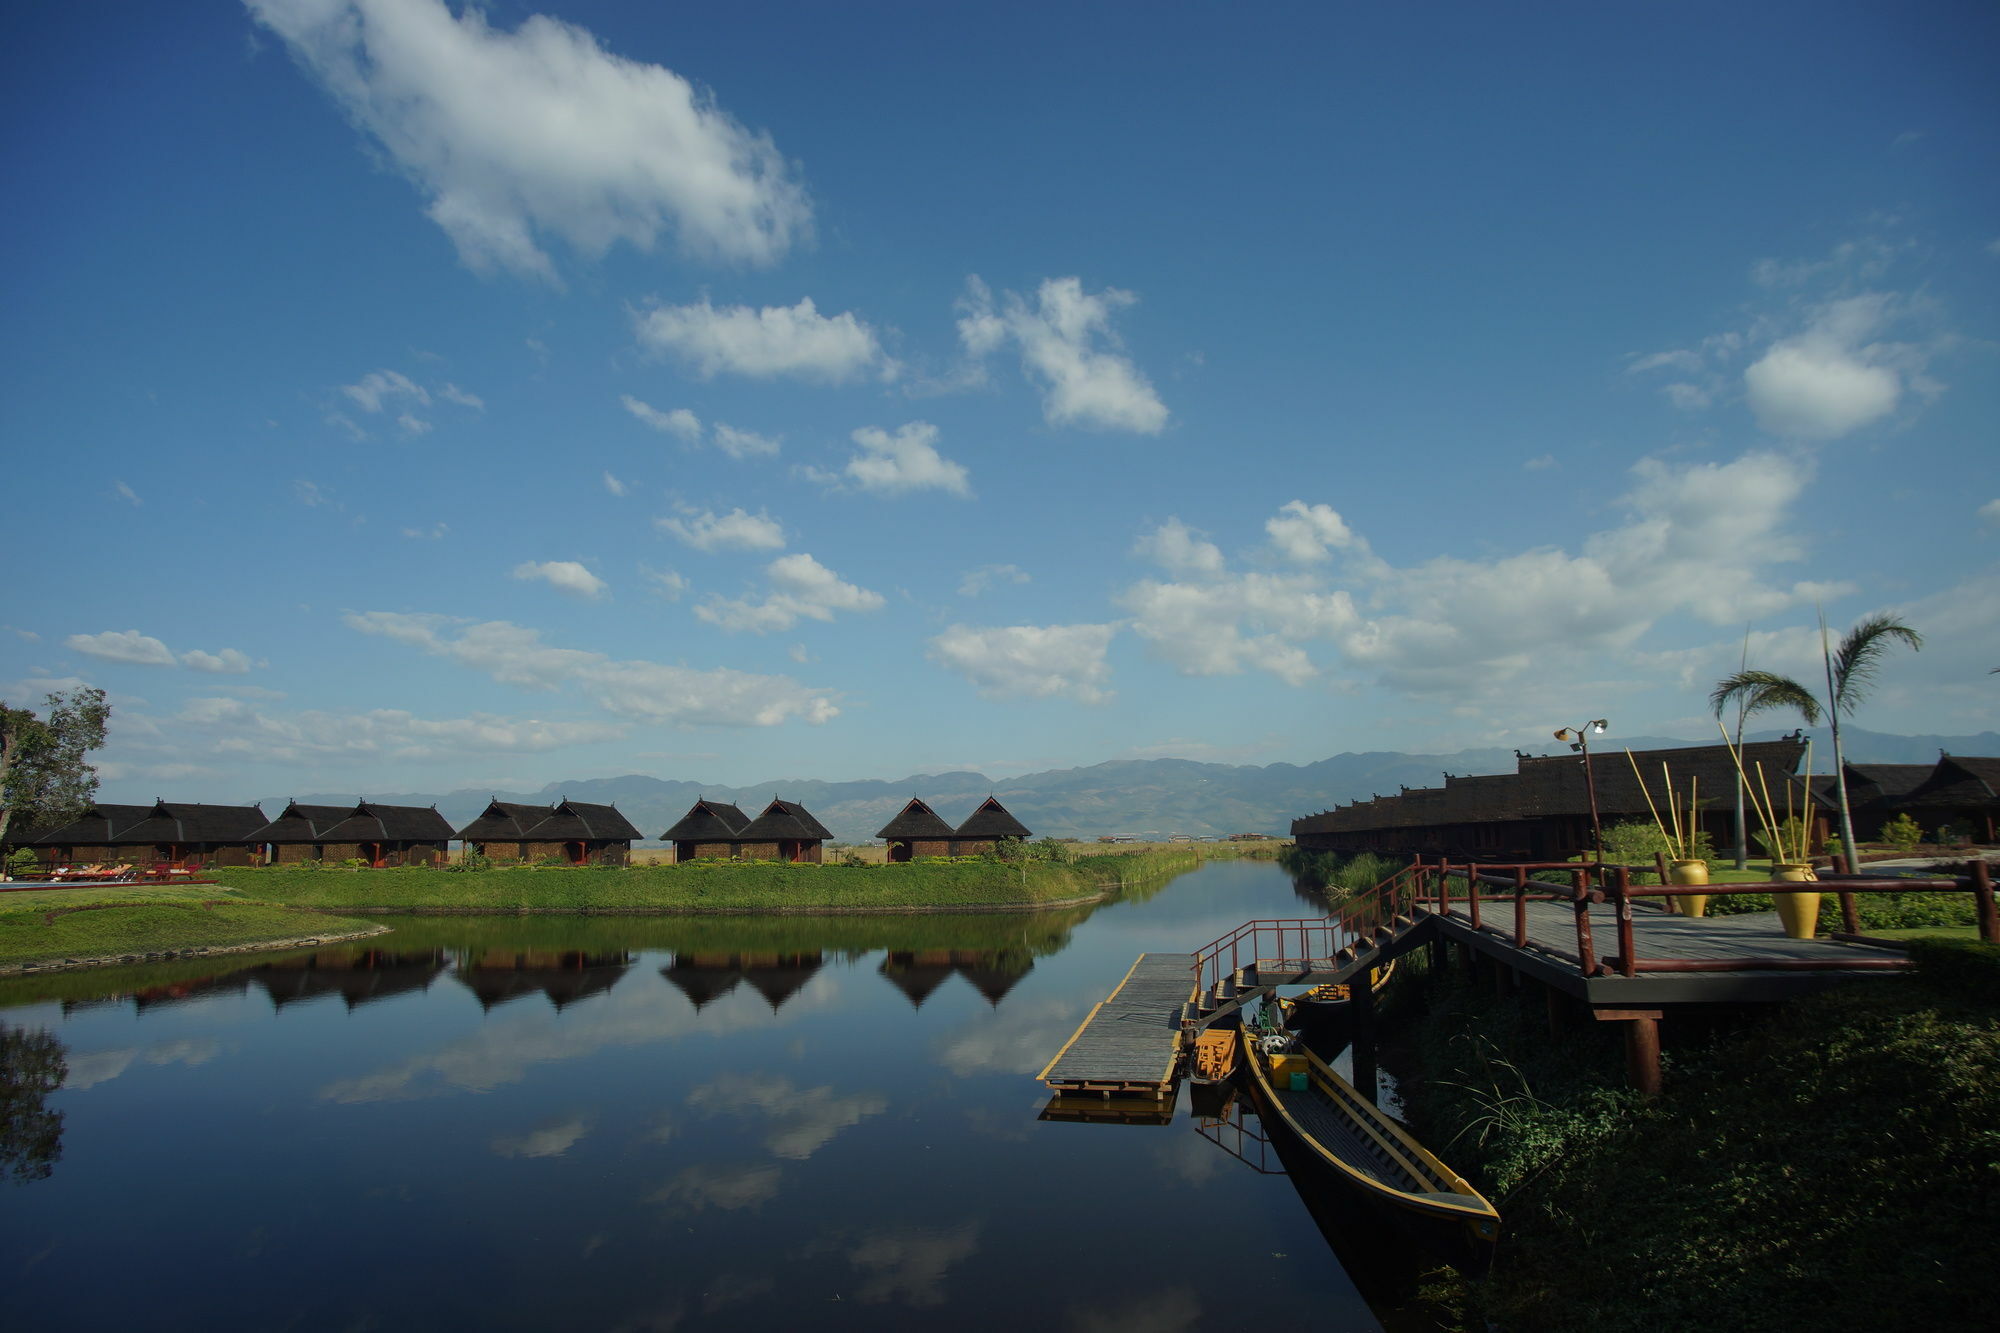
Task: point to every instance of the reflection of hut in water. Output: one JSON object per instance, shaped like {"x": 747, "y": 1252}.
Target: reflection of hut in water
{"x": 917, "y": 830}
{"x": 195, "y": 988}
{"x": 356, "y": 975}
{"x": 917, "y": 973}
{"x": 703, "y": 978}
{"x": 500, "y": 975}
{"x": 779, "y": 976}
{"x": 992, "y": 972}
{"x": 708, "y": 829}
{"x": 986, "y": 828}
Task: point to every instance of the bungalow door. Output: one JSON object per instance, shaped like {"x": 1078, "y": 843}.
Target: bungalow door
{"x": 575, "y": 853}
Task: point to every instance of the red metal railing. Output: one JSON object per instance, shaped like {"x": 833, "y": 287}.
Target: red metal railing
{"x": 1359, "y": 919}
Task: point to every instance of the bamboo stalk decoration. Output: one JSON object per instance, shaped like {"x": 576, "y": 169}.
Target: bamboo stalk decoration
{"x": 1765, "y": 814}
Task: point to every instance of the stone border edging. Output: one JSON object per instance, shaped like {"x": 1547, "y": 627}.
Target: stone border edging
{"x": 38, "y": 967}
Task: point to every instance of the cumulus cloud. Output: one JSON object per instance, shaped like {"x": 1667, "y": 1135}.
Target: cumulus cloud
{"x": 1306, "y": 534}
{"x": 565, "y": 576}
{"x": 1990, "y": 511}
{"x": 735, "y": 530}
{"x": 516, "y": 137}
{"x": 1177, "y": 547}
{"x": 1030, "y": 661}
{"x": 795, "y": 341}
{"x": 1698, "y": 539}
{"x": 614, "y": 485}
{"x": 1067, "y": 344}
{"x": 898, "y": 464}
{"x": 679, "y": 422}
{"x": 381, "y": 388}
{"x": 801, "y": 588}
{"x": 127, "y": 494}
{"x": 135, "y": 649}
{"x": 642, "y": 690}
{"x": 1824, "y": 383}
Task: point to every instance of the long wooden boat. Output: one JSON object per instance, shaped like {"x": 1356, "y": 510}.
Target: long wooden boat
{"x": 1329, "y": 1134}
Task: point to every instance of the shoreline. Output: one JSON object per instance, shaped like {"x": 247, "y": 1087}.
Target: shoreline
{"x": 37, "y": 966}
{"x": 827, "y": 909}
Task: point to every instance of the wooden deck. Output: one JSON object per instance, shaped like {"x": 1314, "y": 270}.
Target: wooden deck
{"x": 1130, "y": 1044}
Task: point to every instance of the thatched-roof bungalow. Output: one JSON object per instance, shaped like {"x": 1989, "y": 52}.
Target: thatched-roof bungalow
{"x": 298, "y": 834}
{"x": 917, "y": 830}
{"x": 374, "y": 834}
{"x": 163, "y": 833}
{"x": 785, "y": 831}
{"x": 986, "y": 828}
{"x": 708, "y": 829}
{"x": 574, "y": 832}
{"x": 1541, "y": 812}
{"x": 1962, "y": 792}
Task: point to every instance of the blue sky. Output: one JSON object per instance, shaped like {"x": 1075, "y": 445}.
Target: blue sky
{"x": 404, "y": 397}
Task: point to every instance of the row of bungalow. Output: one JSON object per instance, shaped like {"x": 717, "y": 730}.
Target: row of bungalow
{"x": 571, "y": 832}
{"x": 1542, "y": 810}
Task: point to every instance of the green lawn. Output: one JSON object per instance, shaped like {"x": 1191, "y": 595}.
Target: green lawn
{"x": 52, "y": 927}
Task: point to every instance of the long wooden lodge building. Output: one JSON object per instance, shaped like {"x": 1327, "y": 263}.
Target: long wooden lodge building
{"x": 1541, "y": 811}
{"x": 576, "y": 833}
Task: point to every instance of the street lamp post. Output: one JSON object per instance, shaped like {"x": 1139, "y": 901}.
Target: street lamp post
{"x": 1582, "y": 743}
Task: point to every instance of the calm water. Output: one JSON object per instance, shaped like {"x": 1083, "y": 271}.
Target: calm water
{"x": 645, "y": 1123}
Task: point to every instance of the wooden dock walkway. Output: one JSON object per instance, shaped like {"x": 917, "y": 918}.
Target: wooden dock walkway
{"x": 1129, "y": 1045}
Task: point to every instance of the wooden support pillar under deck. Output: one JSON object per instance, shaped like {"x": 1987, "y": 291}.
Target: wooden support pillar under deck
{"x": 1361, "y": 1034}
{"x": 1642, "y": 1045}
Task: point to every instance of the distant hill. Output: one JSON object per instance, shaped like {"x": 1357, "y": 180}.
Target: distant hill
{"x": 1133, "y": 796}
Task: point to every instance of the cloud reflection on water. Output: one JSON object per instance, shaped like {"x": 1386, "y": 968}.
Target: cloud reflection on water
{"x": 803, "y": 1120}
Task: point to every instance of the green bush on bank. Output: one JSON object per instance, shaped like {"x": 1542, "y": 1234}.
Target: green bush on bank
{"x": 1835, "y": 1165}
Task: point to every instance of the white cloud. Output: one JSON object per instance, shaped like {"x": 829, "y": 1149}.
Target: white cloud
{"x": 549, "y": 1140}
{"x": 240, "y": 728}
{"x": 1990, "y": 511}
{"x": 742, "y": 443}
{"x": 135, "y": 649}
{"x": 1175, "y": 546}
{"x": 614, "y": 485}
{"x": 128, "y": 646}
{"x": 802, "y": 588}
{"x": 513, "y": 138}
{"x": 378, "y": 389}
{"x": 1829, "y": 380}
{"x": 564, "y": 576}
{"x": 735, "y": 530}
{"x": 1540, "y": 463}
{"x": 979, "y": 580}
{"x": 646, "y": 691}
{"x": 451, "y": 393}
{"x": 666, "y": 583}
{"x": 310, "y": 493}
{"x": 415, "y": 425}
{"x": 1030, "y": 661}
{"x": 228, "y": 662}
{"x": 897, "y": 464}
{"x": 775, "y": 341}
{"x": 1067, "y": 344}
{"x": 127, "y": 494}
{"x": 680, "y": 421}
{"x": 1306, "y": 534}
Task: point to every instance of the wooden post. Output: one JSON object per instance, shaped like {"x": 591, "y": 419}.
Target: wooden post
{"x": 1472, "y": 891}
{"x": 1361, "y": 1041}
{"x": 1621, "y": 901}
{"x": 1982, "y": 901}
{"x": 1850, "y": 917}
{"x": 1642, "y": 1046}
{"x": 1586, "y": 945}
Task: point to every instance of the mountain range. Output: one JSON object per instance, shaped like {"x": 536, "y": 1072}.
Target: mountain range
{"x": 1139, "y": 797}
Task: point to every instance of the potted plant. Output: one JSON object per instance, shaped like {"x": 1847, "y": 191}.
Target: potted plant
{"x": 1788, "y": 843}
{"x": 1685, "y": 863}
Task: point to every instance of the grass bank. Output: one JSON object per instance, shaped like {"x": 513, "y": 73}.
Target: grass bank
{"x": 946, "y": 885}
{"x": 1833, "y": 1165}
{"x": 82, "y": 927}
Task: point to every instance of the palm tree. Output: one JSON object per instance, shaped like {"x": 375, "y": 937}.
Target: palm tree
{"x": 1850, "y": 674}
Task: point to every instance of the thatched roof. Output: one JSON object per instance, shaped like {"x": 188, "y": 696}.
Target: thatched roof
{"x": 369, "y": 822}
{"x": 991, "y": 820}
{"x": 171, "y": 821}
{"x": 98, "y": 825}
{"x": 1958, "y": 782}
{"x": 301, "y": 823}
{"x": 915, "y": 820}
{"x": 784, "y": 820}
{"x": 708, "y": 821}
{"x": 582, "y": 821}
{"x": 504, "y": 821}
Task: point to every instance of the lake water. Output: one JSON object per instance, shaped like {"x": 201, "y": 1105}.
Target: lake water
{"x": 643, "y": 1124}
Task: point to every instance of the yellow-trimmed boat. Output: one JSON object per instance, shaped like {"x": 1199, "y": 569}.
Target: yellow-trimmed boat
{"x": 1327, "y": 1132}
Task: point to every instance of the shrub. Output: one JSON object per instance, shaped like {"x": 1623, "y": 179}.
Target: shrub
{"x": 1903, "y": 833}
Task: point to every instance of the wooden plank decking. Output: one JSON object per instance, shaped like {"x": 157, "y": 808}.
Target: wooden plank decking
{"x": 1128, "y": 1045}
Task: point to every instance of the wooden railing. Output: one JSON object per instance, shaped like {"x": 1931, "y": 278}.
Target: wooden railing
{"x": 1592, "y": 883}
{"x": 1353, "y": 923}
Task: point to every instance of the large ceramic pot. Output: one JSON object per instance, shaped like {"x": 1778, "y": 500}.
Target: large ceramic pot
{"x": 1689, "y": 872}
{"x": 1799, "y": 911}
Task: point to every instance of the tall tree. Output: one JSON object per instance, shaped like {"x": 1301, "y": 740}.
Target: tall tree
{"x": 1850, "y": 674}
{"x": 45, "y": 772}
